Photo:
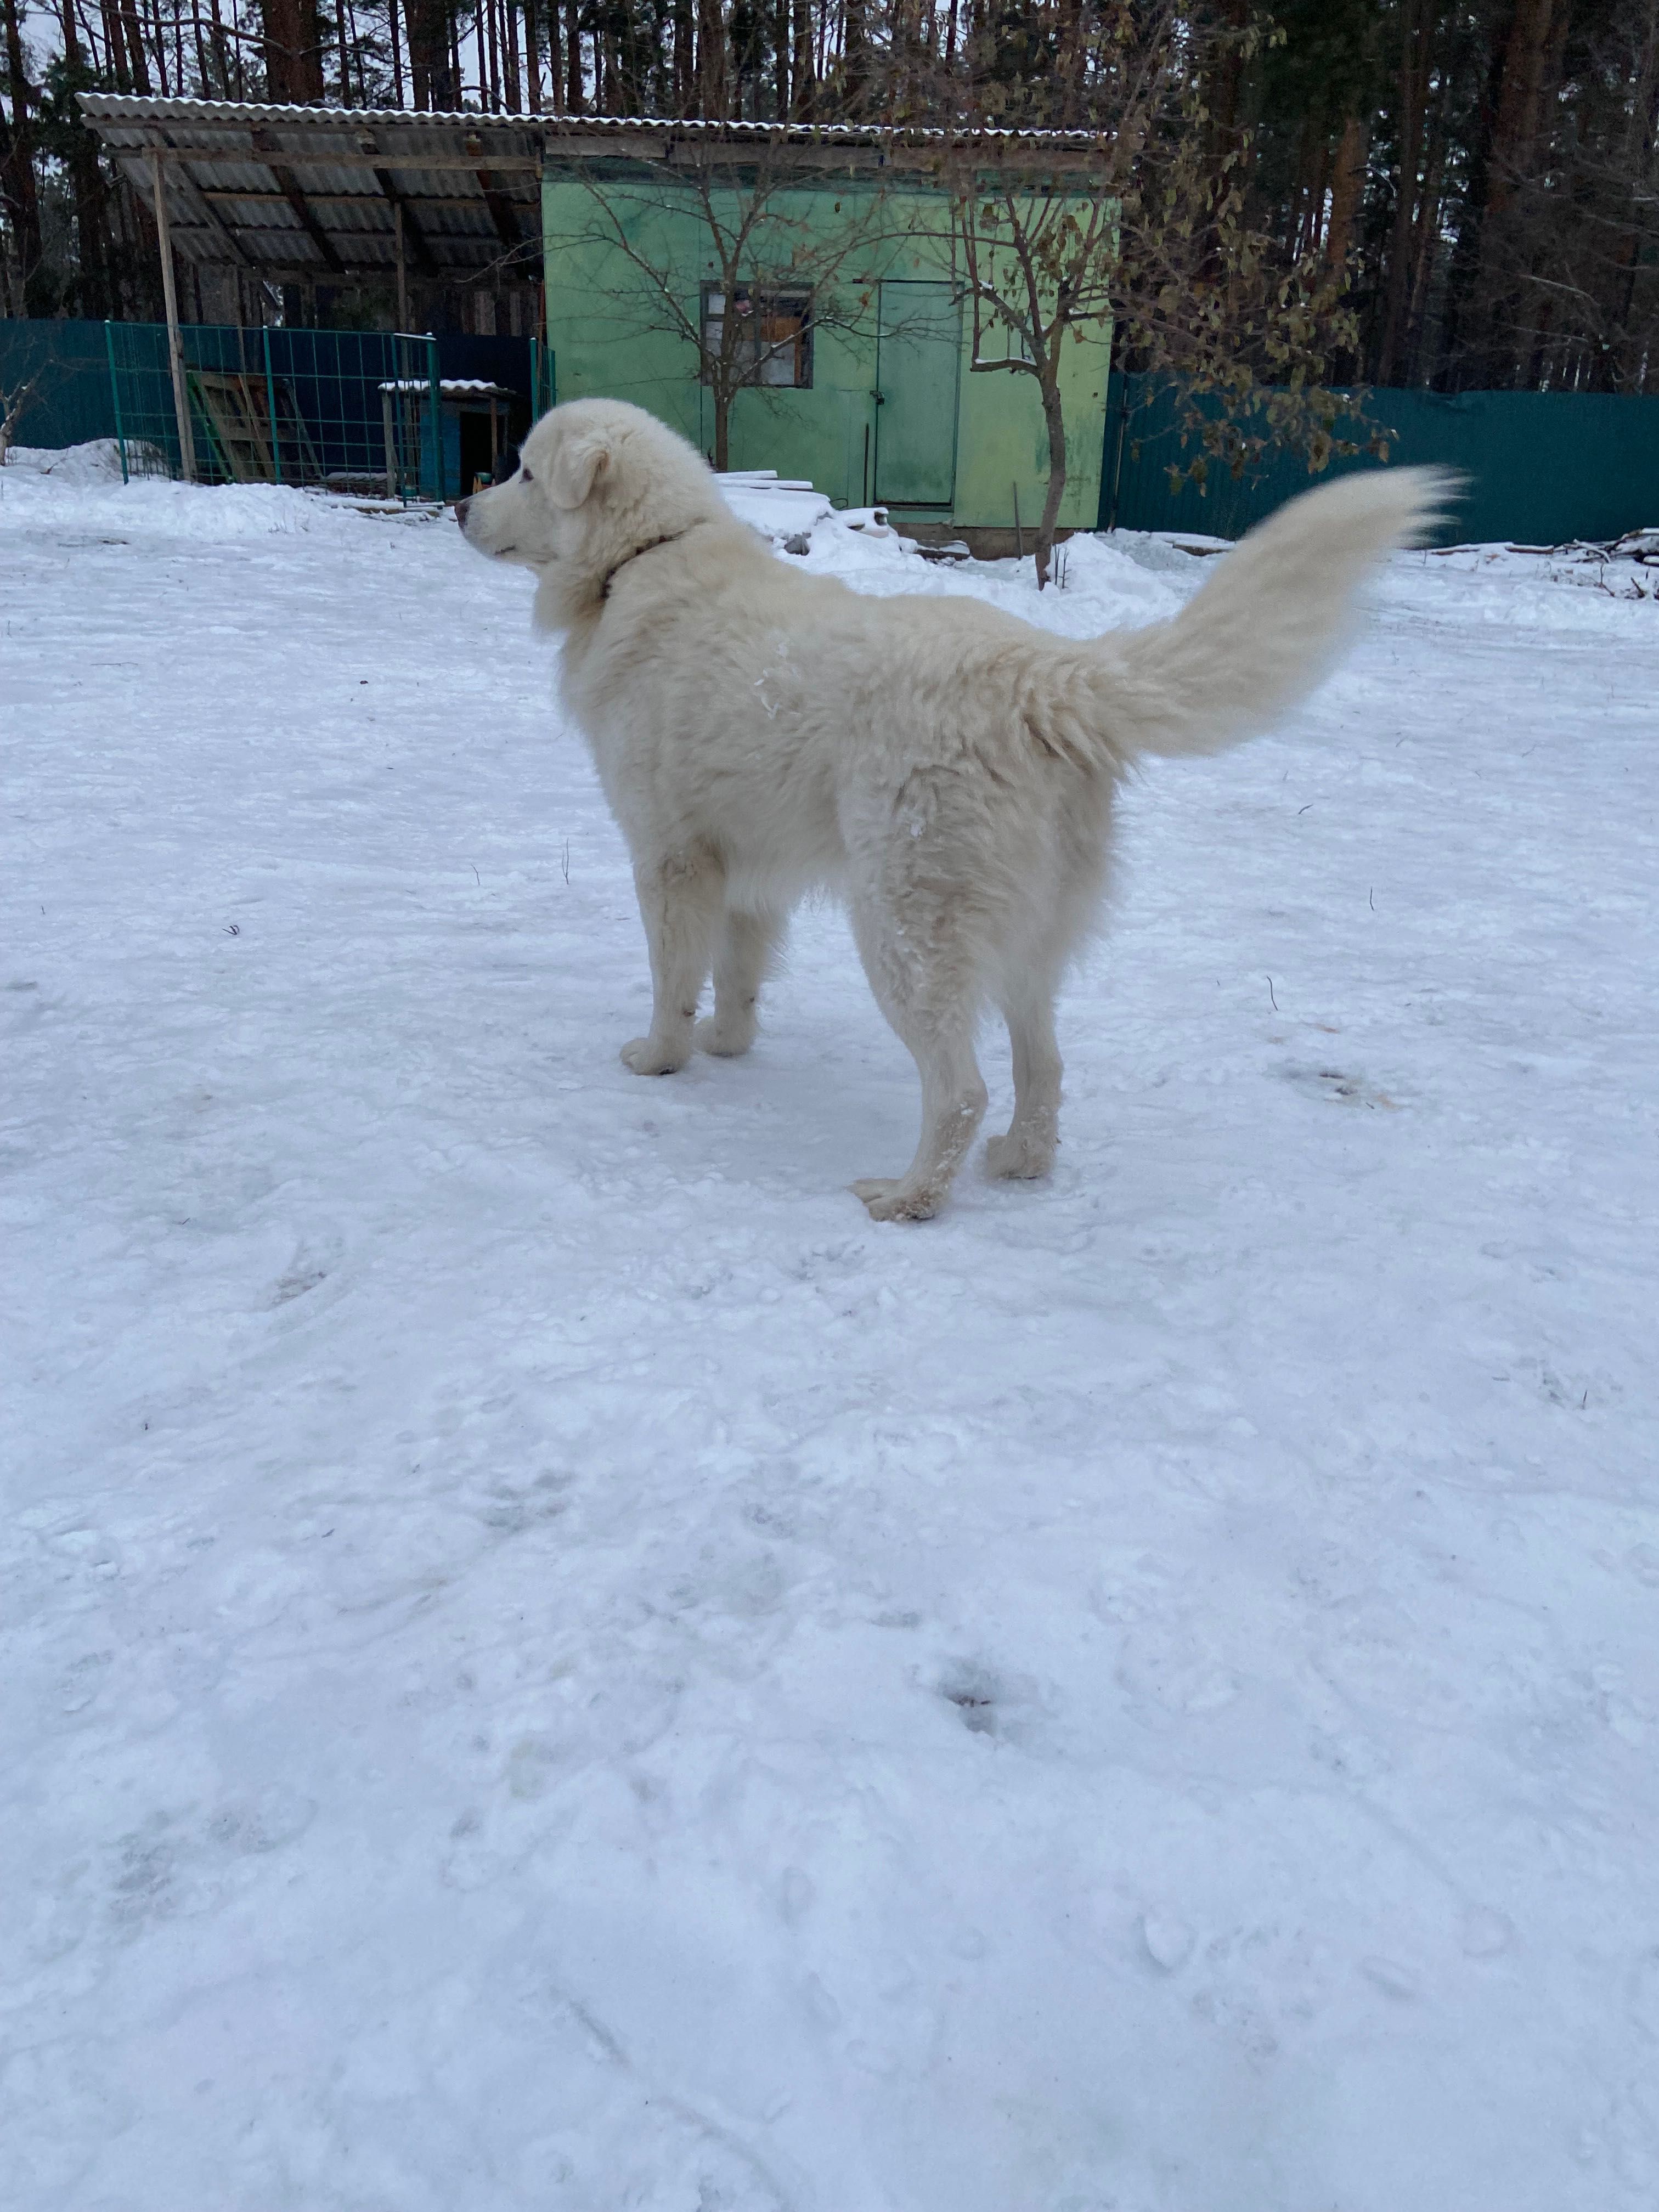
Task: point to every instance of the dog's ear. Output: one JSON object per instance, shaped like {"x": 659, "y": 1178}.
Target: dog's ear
{"x": 583, "y": 458}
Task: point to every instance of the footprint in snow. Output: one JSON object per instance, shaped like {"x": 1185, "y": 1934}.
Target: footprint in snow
{"x": 311, "y": 1266}
{"x": 973, "y": 1691}
{"x": 988, "y": 1704}
{"x": 1337, "y": 1084}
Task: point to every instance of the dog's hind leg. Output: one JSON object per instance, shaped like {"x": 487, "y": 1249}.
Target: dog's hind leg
{"x": 746, "y": 947}
{"x": 929, "y": 1000}
{"x": 1071, "y": 883}
{"x": 681, "y": 897}
{"x": 952, "y": 1108}
{"x": 1028, "y": 1149}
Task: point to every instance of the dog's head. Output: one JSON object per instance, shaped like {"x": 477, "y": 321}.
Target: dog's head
{"x": 598, "y": 480}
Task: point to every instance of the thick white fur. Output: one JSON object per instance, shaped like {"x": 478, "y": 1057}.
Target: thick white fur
{"x": 944, "y": 768}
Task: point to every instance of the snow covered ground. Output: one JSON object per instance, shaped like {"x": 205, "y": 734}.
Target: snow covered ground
{"x": 549, "y": 1663}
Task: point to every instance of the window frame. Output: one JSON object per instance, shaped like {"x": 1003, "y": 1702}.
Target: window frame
{"x": 767, "y": 301}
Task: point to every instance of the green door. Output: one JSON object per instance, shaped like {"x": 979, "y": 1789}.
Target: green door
{"x": 918, "y": 359}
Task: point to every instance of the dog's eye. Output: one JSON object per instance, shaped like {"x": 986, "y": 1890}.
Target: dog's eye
{"x": 524, "y": 476}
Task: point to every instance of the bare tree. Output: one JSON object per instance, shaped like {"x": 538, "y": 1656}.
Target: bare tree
{"x": 1148, "y": 247}
{"x": 1567, "y": 288}
{"x": 1037, "y": 267}
{"x": 13, "y": 403}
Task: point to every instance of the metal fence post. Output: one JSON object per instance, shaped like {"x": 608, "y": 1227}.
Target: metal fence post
{"x": 270, "y": 402}
{"x": 115, "y": 398}
{"x": 436, "y": 404}
{"x": 1111, "y": 456}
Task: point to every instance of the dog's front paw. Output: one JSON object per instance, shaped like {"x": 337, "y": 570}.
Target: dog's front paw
{"x": 886, "y": 1198}
{"x": 647, "y": 1057}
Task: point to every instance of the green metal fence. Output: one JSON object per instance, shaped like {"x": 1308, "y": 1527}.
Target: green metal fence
{"x": 68, "y": 365}
{"x": 412, "y": 415}
{"x": 1543, "y": 468}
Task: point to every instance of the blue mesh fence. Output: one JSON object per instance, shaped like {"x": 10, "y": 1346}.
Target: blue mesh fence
{"x": 407, "y": 416}
{"x": 301, "y": 407}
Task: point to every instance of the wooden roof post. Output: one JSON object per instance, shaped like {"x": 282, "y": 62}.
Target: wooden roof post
{"x": 175, "y": 343}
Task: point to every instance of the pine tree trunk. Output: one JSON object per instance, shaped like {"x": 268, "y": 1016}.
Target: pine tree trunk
{"x": 711, "y": 61}
{"x": 802, "y": 88}
{"x": 1310, "y": 147}
{"x": 91, "y": 217}
{"x": 533, "y": 59}
{"x": 1413, "y": 84}
{"x": 573, "y": 59}
{"x": 427, "y": 62}
{"x": 855, "y": 59}
{"x": 685, "y": 58}
{"x": 557, "y": 58}
{"x": 1428, "y": 232}
{"x": 1517, "y": 130}
{"x": 115, "y": 47}
{"x": 294, "y": 49}
{"x": 137, "y": 51}
{"x": 1347, "y": 188}
{"x": 514, "y": 85}
{"x": 17, "y": 180}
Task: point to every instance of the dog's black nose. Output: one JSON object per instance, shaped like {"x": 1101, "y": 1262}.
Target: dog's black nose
{"x": 461, "y": 506}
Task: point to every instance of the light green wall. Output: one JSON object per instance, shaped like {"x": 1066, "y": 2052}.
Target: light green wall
{"x": 600, "y": 324}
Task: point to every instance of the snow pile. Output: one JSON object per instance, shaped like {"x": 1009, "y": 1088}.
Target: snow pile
{"x": 97, "y": 462}
{"x": 1627, "y": 567}
{"x": 550, "y": 1664}
{"x": 1166, "y": 552}
{"x": 779, "y": 510}
{"x": 1105, "y": 587}
{"x": 80, "y": 487}
{"x": 1582, "y": 587}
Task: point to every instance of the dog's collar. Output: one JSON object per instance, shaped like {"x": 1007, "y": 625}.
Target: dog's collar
{"x": 650, "y": 546}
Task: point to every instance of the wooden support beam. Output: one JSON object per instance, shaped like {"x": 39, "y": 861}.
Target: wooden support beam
{"x": 408, "y": 226}
{"x": 344, "y": 157}
{"x": 313, "y": 230}
{"x": 461, "y": 274}
{"x": 214, "y": 222}
{"x": 175, "y": 342}
{"x": 390, "y": 193}
{"x": 502, "y": 212}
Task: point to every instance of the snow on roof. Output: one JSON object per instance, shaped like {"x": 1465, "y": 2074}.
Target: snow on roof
{"x": 132, "y": 108}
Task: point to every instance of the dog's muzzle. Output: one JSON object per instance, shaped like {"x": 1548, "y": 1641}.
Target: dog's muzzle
{"x": 461, "y": 506}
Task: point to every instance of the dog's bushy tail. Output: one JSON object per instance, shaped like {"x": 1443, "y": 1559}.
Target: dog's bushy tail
{"x": 1266, "y": 627}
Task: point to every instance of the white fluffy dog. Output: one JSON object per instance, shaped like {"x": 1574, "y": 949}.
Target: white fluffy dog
{"x": 944, "y": 767}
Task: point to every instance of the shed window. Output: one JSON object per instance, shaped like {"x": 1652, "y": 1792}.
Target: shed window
{"x": 774, "y": 344}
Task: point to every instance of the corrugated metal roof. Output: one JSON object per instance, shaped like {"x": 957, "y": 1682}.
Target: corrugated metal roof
{"x": 314, "y": 192}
